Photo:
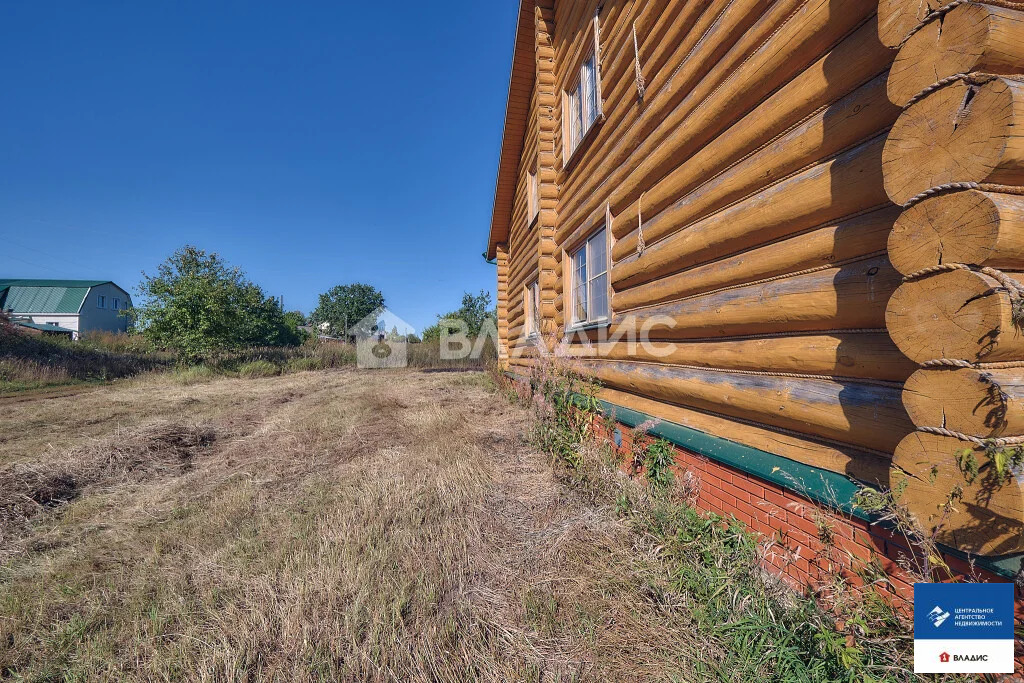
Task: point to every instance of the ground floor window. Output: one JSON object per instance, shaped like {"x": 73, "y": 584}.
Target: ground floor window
{"x": 590, "y": 280}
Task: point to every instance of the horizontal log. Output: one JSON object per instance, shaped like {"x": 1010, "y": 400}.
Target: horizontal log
{"x": 815, "y": 88}
{"x": 851, "y": 297}
{"x": 801, "y": 41}
{"x": 970, "y": 38}
{"x": 982, "y": 403}
{"x": 849, "y": 184}
{"x": 714, "y": 53}
{"x": 960, "y": 314}
{"x": 987, "y": 519}
{"x": 847, "y": 460}
{"x": 869, "y": 416}
{"x": 975, "y": 227}
{"x": 857, "y": 355}
{"x": 857, "y": 117}
{"x": 959, "y": 133}
{"x": 898, "y": 18}
{"x": 843, "y": 241}
{"x": 705, "y": 32}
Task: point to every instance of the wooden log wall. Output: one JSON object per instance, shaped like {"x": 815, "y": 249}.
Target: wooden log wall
{"x": 954, "y": 162}
{"x": 788, "y": 165}
{"x": 752, "y": 168}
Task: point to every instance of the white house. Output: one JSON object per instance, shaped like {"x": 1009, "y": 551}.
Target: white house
{"x": 75, "y": 305}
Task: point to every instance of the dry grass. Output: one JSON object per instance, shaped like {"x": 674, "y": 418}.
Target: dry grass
{"x": 316, "y": 526}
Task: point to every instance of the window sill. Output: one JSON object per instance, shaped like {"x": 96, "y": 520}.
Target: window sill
{"x": 585, "y": 141}
{"x": 586, "y": 327}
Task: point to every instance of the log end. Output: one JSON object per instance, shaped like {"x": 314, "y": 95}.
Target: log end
{"x": 964, "y": 400}
{"x": 960, "y": 227}
{"x": 940, "y": 49}
{"x": 958, "y": 314}
{"x": 979, "y": 513}
{"x": 897, "y": 18}
{"x": 956, "y": 134}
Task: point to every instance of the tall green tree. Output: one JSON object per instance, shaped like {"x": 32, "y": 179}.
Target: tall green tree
{"x": 344, "y": 306}
{"x": 295, "y": 320}
{"x": 475, "y": 311}
{"x": 200, "y": 306}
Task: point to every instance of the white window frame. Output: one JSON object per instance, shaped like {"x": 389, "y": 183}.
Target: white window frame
{"x": 590, "y": 280}
{"x": 581, "y": 93}
{"x": 115, "y": 303}
{"x": 101, "y": 301}
{"x": 532, "y": 308}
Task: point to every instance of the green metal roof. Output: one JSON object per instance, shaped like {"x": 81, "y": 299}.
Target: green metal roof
{"x": 46, "y": 296}
{"x": 44, "y": 328}
{"x": 36, "y": 299}
{"x": 5, "y": 282}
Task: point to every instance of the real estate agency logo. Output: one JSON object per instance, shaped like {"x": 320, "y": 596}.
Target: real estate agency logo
{"x": 976, "y": 657}
{"x": 964, "y": 628}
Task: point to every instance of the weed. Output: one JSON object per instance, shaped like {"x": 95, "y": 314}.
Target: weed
{"x": 257, "y": 369}
{"x": 303, "y": 364}
{"x": 756, "y": 627}
{"x": 658, "y": 462}
{"x": 195, "y": 374}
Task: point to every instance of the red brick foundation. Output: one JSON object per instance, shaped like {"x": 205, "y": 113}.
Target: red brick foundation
{"x": 792, "y": 528}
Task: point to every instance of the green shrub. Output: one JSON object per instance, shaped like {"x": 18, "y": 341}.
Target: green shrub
{"x": 257, "y": 369}
{"x": 303, "y": 364}
{"x": 193, "y": 374}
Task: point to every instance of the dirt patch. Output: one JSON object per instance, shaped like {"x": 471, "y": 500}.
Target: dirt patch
{"x": 30, "y": 489}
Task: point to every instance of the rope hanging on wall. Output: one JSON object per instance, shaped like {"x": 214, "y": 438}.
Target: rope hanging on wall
{"x": 640, "y": 244}
{"x": 641, "y": 85}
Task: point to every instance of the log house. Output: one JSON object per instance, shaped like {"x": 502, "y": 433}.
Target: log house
{"x": 814, "y": 208}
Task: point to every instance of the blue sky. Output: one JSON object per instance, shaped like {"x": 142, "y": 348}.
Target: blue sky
{"x": 311, "y": 143}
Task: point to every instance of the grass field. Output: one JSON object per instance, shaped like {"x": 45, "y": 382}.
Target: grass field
{"x": 332, "y": 525}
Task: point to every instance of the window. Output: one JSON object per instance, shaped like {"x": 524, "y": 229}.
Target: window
{"x": 531, "y": 300}
{"x": 581, "y": 103}
{"x": 534, "y": 198}
{"x": 590, "y": 280}
{"x": 115, "y": 303}
{"x": 101, "y": 301}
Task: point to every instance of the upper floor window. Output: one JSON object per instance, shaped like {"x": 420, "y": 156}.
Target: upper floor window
{"x": 532, "y": 304}
{"x": 101, "y": 301}
{"x": 590, "y": 280}
{"x": 581, "y": 102}
{"x": 115, "y": 303}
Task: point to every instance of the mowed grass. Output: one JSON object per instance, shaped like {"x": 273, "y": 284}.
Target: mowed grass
{"x": 337, "y": 525}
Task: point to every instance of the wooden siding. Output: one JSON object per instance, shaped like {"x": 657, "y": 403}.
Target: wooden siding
{"x": 750, "y": 196}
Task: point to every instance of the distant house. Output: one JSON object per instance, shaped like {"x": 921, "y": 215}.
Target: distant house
{"x": 73, "y": 306}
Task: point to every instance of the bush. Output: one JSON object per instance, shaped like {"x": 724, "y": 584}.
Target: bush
{"x": 303, "y": 364}
{"x": 194, "y": 374}
{"x": 257, "y": 369}
{"x": 203, "y": 308}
